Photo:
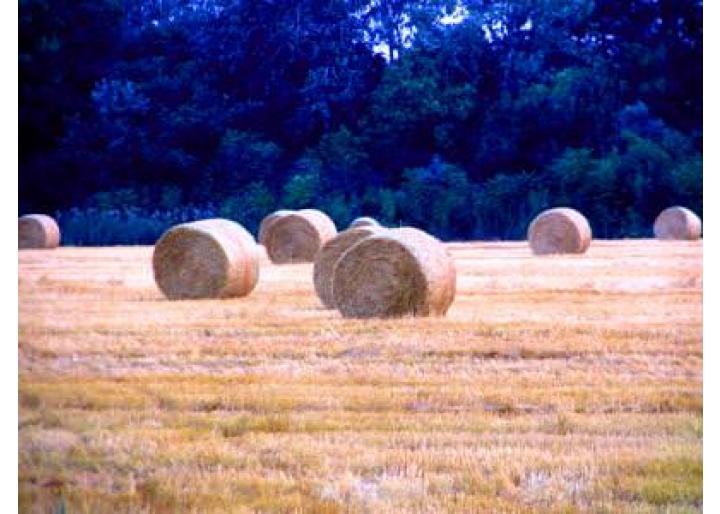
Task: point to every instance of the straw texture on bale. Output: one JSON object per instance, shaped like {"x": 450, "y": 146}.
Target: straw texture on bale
{"x": 364, "y": 221}
{"x": 328, "y": 256}
{"x": 267, "y": 222}
{"x": 298, "y": 236}
{"x": 212, "y": 258}
{"x": 559, "y": 230}
{"x": 393, "y": 273}
{"x": 677, "y": 223}
{"x": 38, "y": 231}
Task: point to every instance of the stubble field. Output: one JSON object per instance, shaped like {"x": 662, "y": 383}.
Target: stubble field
{"x": 554, "y": 384}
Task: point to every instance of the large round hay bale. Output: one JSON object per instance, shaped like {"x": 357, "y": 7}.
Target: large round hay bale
{"x": 267, "y": 222}
{"x": 364, "y": 221}
{"x": 393, "y": 273}
{"x": 328, "y": 256}
{"x": 677, "y": 223}
{"x": 212, "y": 258}
{"x": 38, "y": 231}
{"x": 298, "y": 236}
{"x": 559, "y": 230}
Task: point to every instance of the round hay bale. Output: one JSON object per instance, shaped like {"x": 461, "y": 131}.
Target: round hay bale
{"x": 364, "y": 221}
{"x": 267, "y": 222}
{"x": 559, "y": 230}
{"x": 677, "y": 223}
{"x": 298, "y": 236}
{"x": 212, "y": 258}
{"x": 393, "y": 273}
{"x": 328, "y": 256}
{"x": 38, "y": 231}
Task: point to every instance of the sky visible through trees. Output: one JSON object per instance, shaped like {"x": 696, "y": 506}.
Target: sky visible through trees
{"x": 465, "y": 118}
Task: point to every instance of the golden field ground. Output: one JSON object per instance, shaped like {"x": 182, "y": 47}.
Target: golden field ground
{"x": 554, "y": 384}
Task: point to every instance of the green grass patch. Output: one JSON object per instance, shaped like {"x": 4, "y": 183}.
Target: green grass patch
{"x": 243, "y": 424}
{"x": 665, "y": 482}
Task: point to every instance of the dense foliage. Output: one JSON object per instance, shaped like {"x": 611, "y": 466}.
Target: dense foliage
{"x": 463, "y": 118}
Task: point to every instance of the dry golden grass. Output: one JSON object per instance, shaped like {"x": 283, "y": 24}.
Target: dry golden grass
{"x": 554, "y": 384}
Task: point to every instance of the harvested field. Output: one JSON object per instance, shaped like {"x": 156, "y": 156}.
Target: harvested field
{"x": 554, "y": 384}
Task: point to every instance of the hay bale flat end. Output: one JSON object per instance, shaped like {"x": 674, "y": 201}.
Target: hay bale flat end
{"x": 396, "y": 272}
{"x": 559, "y": 230}
{"x": 213, "y": 258}
{"x": 677, "y": 223}
{"x": 38, "y": 231}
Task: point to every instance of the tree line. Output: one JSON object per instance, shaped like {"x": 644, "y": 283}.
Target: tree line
{"x": 465, "y": 118}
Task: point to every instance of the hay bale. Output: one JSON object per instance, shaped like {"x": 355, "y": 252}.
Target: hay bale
{"x": 38, "y": 231}
{"x": 677, "y": 223}
{"x": 267, "y": 222}
{"x": 364, "y": 221}
{"x": 298, "y": 236}
{"x": 328, "y": 256}
{"x": 212, "y": 258}
{"x": 559, "y": 230}
{"x": 392, "y": 273}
